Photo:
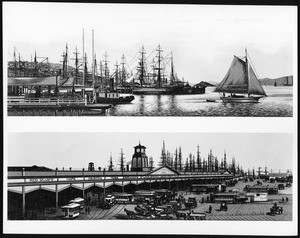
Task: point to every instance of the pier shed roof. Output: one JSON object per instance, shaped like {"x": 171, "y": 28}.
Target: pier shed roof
{"x": 40, "y": 81}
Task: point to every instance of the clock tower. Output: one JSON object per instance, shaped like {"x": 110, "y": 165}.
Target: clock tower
{"x": 140, "y": 159}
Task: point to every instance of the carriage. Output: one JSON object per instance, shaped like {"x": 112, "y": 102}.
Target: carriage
{"x": 191, "y": 203}
{"x": 280, "y": 186}
{"x": 276, "y": 210}
{"x": 223, "y": 206}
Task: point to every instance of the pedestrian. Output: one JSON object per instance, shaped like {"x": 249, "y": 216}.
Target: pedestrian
{"x": 286, "y": 199}
{"x": 210, "y": 208}
{"x": 282, "y": 199}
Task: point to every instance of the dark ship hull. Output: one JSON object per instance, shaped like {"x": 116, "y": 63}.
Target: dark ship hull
{"x": 171, "y": 90}
{"x": 114, "y": 98}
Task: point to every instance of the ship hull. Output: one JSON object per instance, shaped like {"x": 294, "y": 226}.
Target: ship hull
{"x": 120, "y": 100}
{"x": 241, "y": 99}
{"x": 168, "y": 91}
{"x": 152, "y": 91}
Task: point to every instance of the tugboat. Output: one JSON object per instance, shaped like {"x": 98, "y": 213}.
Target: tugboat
{"x": 113, "y": 98}
{"x": 240, "y": 83}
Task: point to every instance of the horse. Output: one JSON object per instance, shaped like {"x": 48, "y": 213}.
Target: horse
{"x": 129, "y": 213}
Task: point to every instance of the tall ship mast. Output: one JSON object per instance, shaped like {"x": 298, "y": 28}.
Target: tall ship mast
{"x": 123, "y": 70}
{"x": 160, "y": 84}
{"x": 240, "y": 83}
{"x": 141, "y": 67}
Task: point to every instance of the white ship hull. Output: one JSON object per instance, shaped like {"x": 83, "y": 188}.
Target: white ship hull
{"x": 241, "y": 99}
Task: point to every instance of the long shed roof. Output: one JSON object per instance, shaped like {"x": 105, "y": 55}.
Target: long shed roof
{"x": 40, "y": 81}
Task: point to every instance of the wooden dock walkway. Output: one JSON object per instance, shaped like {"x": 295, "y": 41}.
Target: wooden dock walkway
{"x": 20, "y": 106}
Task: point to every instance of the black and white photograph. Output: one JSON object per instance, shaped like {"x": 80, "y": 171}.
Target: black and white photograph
{"x": 150, "y": 118}
{"x": 151, "y": 176}
{"x": 76, "y": 59}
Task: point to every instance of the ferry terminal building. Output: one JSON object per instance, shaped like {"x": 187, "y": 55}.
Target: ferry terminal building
{"x": 40, "y": 187}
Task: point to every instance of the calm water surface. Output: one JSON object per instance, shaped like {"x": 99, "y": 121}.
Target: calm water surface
{"x": 279, "y": 103}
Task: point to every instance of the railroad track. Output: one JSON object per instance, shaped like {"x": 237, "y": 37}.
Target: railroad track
{"x": 96, "y": 211}
{"x": 106, "y": 213}
{"x": 116, "y": 212}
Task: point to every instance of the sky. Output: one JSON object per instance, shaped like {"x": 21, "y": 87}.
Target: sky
{"x": 203, "y": 38}
{"x": 77, "y": 149}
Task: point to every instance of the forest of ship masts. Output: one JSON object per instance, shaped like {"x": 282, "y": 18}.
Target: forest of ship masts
{"x": 139, "y": 70}
{"x": 190, "y": 164}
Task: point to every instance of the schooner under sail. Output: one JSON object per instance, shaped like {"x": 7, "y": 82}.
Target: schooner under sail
{"x": 240, "y": 83}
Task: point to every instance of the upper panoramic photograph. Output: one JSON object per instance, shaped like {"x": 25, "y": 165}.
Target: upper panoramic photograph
{"x": 77, "y": 59}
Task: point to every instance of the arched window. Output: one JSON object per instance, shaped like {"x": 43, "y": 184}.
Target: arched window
{"x": 145, "y": 162}
{"x": 134, "y": 164}
{"x": 139, "y": 162}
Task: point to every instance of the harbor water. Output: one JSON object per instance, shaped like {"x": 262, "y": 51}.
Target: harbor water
{"x": 278, "y": 103}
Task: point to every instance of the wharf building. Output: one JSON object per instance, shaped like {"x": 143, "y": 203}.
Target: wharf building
{"x": 35, "y": 187}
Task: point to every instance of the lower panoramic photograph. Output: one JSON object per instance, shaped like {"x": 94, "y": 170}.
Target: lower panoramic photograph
{"x": 150, "y": 176}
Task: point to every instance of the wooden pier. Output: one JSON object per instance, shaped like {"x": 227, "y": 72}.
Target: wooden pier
{"x": 20, "y": 106}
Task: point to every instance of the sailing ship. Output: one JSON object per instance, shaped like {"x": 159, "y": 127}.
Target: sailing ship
{"x": 286, "y": 82}
{"x": 112, "y": 93}
{"x": 240, "y": 84}
{"x": 160, "y": 84}
{"x": 38, "y": 79}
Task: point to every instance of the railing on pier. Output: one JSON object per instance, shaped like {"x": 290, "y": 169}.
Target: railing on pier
{"x": 15, "y": 101}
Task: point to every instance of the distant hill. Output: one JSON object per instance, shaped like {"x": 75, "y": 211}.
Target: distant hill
{"x": 279, "y": 81}
{"x": 204, "y": 84}
{"x": 59, "y": 66}
{"x": 213, "y": 83}
{"x": 270, "y": 82}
